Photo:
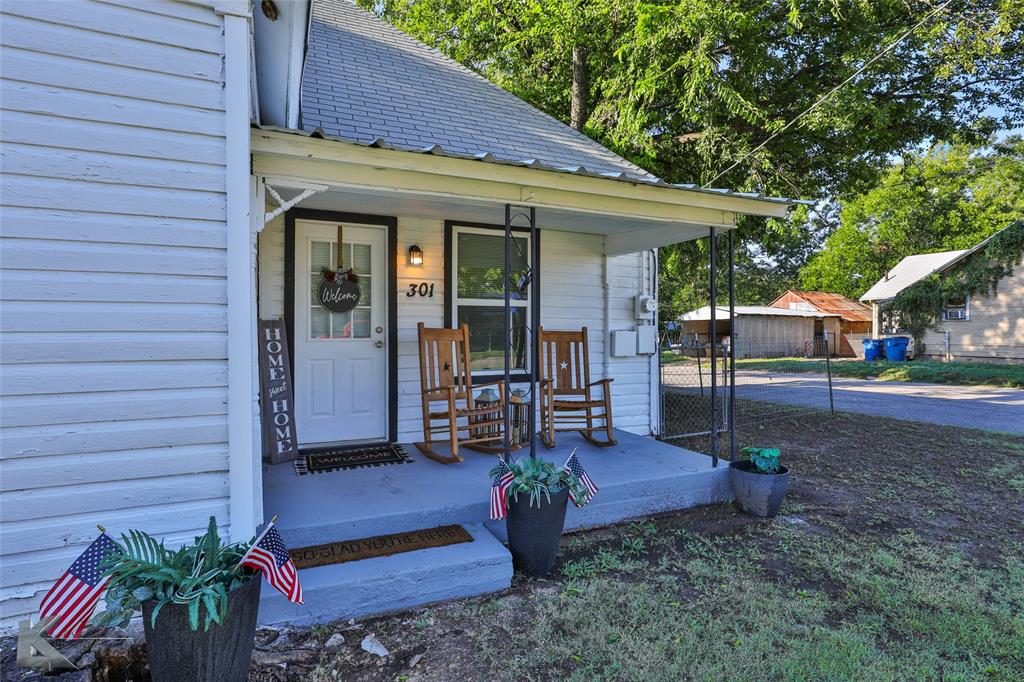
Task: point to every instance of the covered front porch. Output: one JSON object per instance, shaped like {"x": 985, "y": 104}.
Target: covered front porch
{"x": 590, "y": 259}
{"x": 638, "y": 477}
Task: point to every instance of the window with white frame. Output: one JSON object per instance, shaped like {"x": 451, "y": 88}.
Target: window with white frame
{"x": 477, "y": 295}
{"x": 957, "y": 309}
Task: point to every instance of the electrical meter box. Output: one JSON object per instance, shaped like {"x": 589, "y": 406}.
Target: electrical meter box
{"x": 623, "y": 343}
{"x": 644, "y": 307}
{"x": 647, "y": 339}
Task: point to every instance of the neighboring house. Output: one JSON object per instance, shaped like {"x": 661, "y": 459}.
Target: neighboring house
{"x": 763, "y": 331}
{"x": 854, "y": 320}
{"x": 154, "y": 210}
{"x": 980, "y": 327}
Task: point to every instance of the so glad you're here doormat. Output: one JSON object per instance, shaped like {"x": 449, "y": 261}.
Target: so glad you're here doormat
{"x": 378, "y": 546}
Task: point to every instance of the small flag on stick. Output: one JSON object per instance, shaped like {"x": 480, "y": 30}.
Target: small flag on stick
{"x": 503, "y": 477}
{"x": 573, "y": 466}
{"x": 71, "y": 601}
{"x": 269, "y": 556}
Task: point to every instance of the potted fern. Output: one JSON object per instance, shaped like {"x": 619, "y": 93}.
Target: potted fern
{"x": 759, "y": 482}
{"x": 198, "y": 604}
{"x": 537, "y": 496}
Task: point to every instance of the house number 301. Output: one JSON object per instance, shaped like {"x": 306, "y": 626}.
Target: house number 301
{"x": 425, "y": 289}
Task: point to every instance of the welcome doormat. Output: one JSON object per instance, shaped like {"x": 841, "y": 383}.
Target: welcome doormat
{"x": 351, "y": 458}
{"x": 378, "y": 546}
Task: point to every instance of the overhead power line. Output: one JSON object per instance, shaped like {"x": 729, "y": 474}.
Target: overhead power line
{"x": 831, "y": 92}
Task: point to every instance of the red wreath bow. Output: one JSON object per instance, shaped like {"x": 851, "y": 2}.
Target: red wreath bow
{"x": 330, "y": 275}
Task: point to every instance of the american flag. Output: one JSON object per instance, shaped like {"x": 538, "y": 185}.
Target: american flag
{"x": 573, "y": 466}
{"x": 269, "y": 556}
{"x": 72, "y": 599}
{"x": 499, "y": 489}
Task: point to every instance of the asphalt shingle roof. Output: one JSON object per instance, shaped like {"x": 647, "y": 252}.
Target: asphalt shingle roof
{"x": 366, "y": 81}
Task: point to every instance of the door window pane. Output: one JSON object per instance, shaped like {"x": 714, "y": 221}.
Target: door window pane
{"x": 319, "y": 323}
{"x": 360, "y": 259}
{"x": 355, "y": 324}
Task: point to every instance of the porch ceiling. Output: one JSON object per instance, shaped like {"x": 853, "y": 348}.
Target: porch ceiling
{"x": 631, "y": 216}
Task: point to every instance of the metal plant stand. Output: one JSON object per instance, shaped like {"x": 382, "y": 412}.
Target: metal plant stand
{"x": 529, "y": 216}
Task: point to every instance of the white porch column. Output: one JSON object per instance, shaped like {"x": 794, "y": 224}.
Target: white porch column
{"x": 243, "y": 465}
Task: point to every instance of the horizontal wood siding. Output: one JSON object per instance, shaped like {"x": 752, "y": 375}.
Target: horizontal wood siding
{"x": 113, "y": 336}
{"x": 572, "y": 292}
{"x": 631, "y": 390}
{"x": 995, "y": 330}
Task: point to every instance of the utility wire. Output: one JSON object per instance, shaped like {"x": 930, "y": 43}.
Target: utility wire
{"x": 831, "y": 92}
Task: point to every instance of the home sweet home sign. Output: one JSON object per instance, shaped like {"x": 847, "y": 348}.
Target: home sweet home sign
{"x": 276, "y": 400}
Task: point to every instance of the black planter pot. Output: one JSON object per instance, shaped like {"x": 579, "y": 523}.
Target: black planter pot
{"x": 756, "y": 493}
{"x": 534, "y": 534}
{"x": 220, "y": 654}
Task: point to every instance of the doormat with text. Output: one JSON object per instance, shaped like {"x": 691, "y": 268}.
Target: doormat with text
{"x": 351, "y": 458}
{"x": 378, "y": 546}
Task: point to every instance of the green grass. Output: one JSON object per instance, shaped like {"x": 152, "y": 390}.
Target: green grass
{"x": 903, "y": 612}
{"x": 926, "y": 371}
{"x": 897, "y": 556}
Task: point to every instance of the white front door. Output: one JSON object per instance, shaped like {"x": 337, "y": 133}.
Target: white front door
{"x": 341, "y": 373}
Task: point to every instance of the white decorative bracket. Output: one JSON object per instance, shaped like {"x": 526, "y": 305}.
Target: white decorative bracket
{"x": 282, "y": 205}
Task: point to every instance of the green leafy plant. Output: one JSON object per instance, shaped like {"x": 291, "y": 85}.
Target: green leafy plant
{"x": 198, "y": 576}
{"x": 537, "y": 477}
{"x": 765, "y": 459}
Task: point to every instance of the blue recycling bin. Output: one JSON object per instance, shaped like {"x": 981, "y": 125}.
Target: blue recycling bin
{"x": 872, "y": 349}
{"x": 896, "y": 348}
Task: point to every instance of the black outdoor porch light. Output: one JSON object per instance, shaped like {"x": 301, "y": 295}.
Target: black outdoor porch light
{"x": 415, "y": 255}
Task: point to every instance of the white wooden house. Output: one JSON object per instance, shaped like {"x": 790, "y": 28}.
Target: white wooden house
{"x": 148, "y": 147}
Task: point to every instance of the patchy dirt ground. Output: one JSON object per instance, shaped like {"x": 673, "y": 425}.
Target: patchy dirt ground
{"x": 899, "y": 554}
{"x": 872, "y": 496}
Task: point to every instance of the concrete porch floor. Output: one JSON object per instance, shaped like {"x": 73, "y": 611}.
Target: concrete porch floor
{"x": 637, "y": 477}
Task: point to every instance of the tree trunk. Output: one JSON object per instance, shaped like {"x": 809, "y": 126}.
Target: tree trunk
{"x": 580, "y": 87}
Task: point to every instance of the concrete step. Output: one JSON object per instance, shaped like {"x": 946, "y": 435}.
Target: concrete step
{"x": 397, "y": 582}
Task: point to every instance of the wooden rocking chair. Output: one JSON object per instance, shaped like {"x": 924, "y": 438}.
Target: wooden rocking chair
{"x": 445, "y": 378}
{"x": 565, "y": 389}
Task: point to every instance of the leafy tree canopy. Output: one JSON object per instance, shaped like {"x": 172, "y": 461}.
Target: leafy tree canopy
{"x": 949, "y": 197}
{"x": 687, "y": 88}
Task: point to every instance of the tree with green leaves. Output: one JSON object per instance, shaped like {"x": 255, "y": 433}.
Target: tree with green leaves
{"x": 946, "y": 198}
{"x": 700, "y": 91}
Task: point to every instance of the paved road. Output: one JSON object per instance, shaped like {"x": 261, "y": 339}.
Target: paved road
{"x": 979, "y": 407}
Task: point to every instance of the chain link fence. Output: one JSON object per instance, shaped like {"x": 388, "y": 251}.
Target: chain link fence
{"x": 771, "y": 381}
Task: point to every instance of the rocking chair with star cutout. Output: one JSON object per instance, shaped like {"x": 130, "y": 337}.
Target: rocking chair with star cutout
{"x": 445, "y": 378}
{"x": 566, "y": 391}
